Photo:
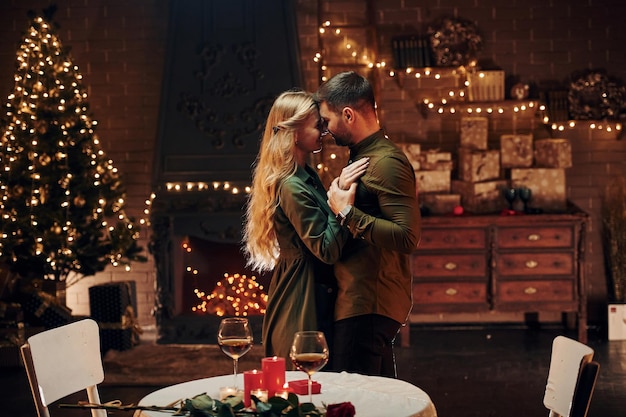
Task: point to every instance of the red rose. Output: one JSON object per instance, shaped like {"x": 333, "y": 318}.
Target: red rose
{"x": 340, "y": 410}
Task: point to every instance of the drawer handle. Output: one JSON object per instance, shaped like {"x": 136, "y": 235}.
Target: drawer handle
{"x": 534, "y": 237}
{"x": 530, "y": 290}
{"x": 450, "y": 266}
{"x": 532, "y": 264}
{"x": 451, "y": 291}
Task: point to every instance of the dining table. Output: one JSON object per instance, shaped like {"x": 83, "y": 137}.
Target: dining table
{"x": 371, "y": 396}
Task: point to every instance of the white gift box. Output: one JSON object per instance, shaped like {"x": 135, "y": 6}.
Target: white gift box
{"x": 617, "y": 321}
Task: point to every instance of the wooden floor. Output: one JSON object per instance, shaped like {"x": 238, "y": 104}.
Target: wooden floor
{"x": 471, "y": 371}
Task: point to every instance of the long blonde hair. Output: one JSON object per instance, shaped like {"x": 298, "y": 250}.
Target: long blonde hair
{"x": 275, "y": 162}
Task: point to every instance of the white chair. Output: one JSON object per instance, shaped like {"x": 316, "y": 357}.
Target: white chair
{"x": 571, "y": 378}
{"x": 62, "y": 361}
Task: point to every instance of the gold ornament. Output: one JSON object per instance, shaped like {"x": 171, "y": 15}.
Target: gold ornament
{"x": 44, "y": 160}
{"x": 79, "y": 201}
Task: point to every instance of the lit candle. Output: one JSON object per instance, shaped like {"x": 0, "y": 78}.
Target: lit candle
{"x": 283, "y": 392}
{"x": 261, "y": 394}
{"x": 252, "y": 380}
{"x": 273, "y": 374}
{"x": 227, "y": 391}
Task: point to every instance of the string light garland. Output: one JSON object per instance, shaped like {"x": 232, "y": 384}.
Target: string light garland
{"x": 349, "y": 52}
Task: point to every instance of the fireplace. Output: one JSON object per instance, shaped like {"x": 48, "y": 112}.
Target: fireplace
{"x": 226, "y": 62}
{"x": 201, "y": 279}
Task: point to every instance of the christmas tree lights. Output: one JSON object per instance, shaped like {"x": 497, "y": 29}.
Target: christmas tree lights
{"x": 61, "y": 199}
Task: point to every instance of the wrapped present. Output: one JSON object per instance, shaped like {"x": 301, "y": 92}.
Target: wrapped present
{"x": 432, "y": 157}
{"x": 41, "y": 308}
{"x": 413, "y": 153}
{"x": 516, "y": 151}
{"x": 11, "y": 312}
{"x": 113, "y": 305}
{"x": 474, "y": 132}
{"x": 440, "y": 203}
{"x": 480, "y": 197}
{"x": 547, "y": 186}
{"x": 485, "y": 85}
{"x": 553, "y": 153}
{"x": 432, "y": 181}
{"x": 108, "y": 302}
{"x": 119, "y": 339}
{"x": 436, "y": 161}
{"x": 477, "y": 166}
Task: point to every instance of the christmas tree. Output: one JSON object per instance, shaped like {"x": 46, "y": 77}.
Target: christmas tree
{"x": 62, "y": 200}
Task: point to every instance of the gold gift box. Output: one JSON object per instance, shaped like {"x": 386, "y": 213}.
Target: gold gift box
{"x": 516, "y": 151}
{"x": 547, "y": 186}
{"x": 553, "y": 153}
{"x": 474, "y": 132}
{"x": 485, "y": 85}
{"x": 481, "y": 197}
{"x": 476, "y": 166}
{"x": 440, "y": 203}
{"x": 433, "y": 181}
{"x": 413, "y": 153}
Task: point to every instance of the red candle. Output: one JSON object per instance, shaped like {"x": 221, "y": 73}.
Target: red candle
{"x": 252, "y": 380}
{"x": 273, "y": 374}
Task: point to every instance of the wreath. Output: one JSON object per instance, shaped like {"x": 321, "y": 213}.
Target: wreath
{"x": 454, "y": 41}
{"x": 594, "y": 95}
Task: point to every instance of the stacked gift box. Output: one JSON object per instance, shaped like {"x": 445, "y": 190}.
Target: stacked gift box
{"x": 113, "y": 306}
{"x": 534, "y": 164}
{"x": 479, "y": 172}
{"x": 546, "y": 177}
{"x": 44, "y": 309}
{"x": 483, "y": 173}
{"x": 433, "y": 173}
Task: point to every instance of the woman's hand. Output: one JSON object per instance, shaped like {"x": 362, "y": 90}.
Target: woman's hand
{"x": 352, "y": 173}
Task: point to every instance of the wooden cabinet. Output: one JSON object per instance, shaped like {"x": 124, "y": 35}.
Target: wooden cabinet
{"x": 520, "y": 263}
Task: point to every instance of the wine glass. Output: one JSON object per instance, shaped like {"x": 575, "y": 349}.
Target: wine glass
{"x": 524, "y": 194}
{"x": 510, "y": 194}
{"x": 235, "y": 339}
{"x": 309, "y": 353}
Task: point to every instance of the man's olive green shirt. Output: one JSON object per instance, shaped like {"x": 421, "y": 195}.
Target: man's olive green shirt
{"x": 374, "y": 271}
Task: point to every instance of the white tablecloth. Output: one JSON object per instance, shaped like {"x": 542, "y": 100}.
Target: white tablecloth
{"x": 371, "y": 396}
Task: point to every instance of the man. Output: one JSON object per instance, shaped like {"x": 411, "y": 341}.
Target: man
{"x": 373, "y": 273}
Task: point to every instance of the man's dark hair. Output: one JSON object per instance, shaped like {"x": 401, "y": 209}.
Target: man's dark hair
{"x": 346, "y": 89}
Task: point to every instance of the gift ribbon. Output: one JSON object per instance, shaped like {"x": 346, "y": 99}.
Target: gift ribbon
{"x": 127, "y": 321}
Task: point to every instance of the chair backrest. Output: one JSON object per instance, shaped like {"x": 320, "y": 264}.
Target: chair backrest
{"x": 571, "y": 378}
{"x": 62, "y": 361}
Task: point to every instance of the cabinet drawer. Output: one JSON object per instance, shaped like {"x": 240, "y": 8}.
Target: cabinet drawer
{"x": 449, "y": 265}
{"x": 535, "y": 291}
{"x": 452, "y": 238}
{"x": 525, "y": 264}
{"x": 535, "y": 237}
{"x": 449, "y": 293}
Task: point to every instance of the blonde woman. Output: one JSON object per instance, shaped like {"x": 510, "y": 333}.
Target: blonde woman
{"x": 289, "y": 227}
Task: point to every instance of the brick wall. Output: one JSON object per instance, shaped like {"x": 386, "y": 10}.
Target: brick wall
{"x": 119, "y": 49}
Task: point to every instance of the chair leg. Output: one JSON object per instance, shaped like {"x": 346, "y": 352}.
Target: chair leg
{"x": 94, "y": 398}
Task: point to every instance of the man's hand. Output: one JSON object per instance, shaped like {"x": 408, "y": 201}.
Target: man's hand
{"x": 339, "y": 198}
{"x": 352, "y": 172}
